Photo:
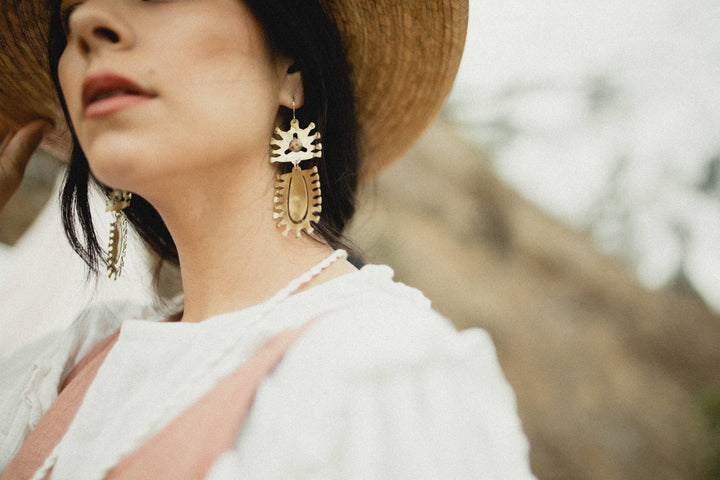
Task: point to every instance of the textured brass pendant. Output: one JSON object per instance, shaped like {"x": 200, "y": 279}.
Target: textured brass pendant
{"x": 117, "y": 246}
{"x": 298, "y": 200}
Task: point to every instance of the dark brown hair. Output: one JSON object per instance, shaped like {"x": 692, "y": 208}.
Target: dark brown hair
{"x": 299, "y": 29}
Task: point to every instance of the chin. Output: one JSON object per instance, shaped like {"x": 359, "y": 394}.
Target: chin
{"x": 121, "y": 164}
{"x": 125, "y": 172}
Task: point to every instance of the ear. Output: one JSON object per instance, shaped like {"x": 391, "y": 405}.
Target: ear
{"x": 291, "y": 85}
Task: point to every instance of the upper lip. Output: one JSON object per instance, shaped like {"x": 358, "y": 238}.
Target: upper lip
{"x": 104, "y": 82}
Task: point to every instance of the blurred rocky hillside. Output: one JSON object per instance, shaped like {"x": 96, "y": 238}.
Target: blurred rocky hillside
{"x": 613, "y": 381}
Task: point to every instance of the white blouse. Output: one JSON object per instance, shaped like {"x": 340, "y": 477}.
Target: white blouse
{"x": 379, "y": 386}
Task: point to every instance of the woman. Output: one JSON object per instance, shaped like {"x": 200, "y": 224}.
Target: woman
{"x": 191, "y": 106}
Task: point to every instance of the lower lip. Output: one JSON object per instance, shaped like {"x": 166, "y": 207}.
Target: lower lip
{"x": 110, "y": 105}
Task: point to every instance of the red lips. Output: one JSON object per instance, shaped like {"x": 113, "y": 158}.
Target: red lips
{"x": 106, "y": 92}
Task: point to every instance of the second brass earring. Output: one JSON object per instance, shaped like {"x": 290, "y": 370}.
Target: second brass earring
{"x": 117, "y": 201}
{"x": 298, "y": 200}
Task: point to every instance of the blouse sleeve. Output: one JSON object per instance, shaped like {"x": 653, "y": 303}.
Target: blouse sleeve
{"x": 389, "y": 403}
{"x": 452, "y": 416}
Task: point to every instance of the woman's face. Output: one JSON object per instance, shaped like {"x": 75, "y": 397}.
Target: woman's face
{"x": 161, "y": 90}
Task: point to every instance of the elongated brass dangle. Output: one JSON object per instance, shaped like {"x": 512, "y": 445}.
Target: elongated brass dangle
{"x": 117, "y": 245}
{"x": 298, "y": 200}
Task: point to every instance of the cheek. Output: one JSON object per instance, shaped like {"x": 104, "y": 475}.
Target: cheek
{"x": 225, "y": 123}
{"x": 229, "y": 97}
{"x": 70, "y": 79}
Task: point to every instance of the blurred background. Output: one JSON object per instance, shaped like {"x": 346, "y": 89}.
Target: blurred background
{"x": 567, "y": 200}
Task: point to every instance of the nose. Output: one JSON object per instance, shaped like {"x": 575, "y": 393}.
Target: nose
{"x": 98, "y": 25}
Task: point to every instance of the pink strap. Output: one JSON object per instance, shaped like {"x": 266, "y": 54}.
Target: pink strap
{"x": 187, "y": 447}
{"x": 56, "y": 420}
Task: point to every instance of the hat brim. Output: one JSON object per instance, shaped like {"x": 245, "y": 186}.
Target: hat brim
{"x": 404, "y": 56}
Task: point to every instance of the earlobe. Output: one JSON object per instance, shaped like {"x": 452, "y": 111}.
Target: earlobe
{"x": 291, "y": 91}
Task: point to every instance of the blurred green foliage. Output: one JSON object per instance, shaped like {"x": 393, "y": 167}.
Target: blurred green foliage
{"x": 710, "y": 439}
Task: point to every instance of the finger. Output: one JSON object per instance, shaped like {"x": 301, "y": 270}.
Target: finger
{"x": 20, "y": 147}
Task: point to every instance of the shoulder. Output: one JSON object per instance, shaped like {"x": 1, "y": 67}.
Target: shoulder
{"x": 30, "y": 376}
{"x": 383, "y": 386}
{"x": 376, "y": 322}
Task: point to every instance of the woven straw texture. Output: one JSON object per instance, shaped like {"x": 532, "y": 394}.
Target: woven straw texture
{"x": 404, "y": 56}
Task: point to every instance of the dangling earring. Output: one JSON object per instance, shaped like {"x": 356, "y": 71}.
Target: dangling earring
{"x": 298, "y": 201}
{"x": 117, "y": 201}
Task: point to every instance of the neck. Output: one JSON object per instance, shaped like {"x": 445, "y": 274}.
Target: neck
{"x": 231, "y": 254}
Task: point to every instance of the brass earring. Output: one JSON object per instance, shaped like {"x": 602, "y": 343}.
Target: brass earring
{"x": 298, "y": 200}
{"x": 117, "y": 201}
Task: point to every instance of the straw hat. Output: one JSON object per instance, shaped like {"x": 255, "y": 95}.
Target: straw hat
{"x": 404, "y": 56}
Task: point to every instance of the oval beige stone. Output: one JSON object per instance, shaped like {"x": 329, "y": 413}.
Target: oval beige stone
{"x": 297, "y": 197}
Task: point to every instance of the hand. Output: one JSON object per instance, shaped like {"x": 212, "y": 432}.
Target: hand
{"x": 17, "y": 148}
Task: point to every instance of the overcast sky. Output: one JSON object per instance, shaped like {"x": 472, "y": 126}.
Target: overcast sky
{"x": 607, "y": 114}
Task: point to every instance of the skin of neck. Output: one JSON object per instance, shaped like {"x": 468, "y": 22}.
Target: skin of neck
{"x": 231, "y": 253}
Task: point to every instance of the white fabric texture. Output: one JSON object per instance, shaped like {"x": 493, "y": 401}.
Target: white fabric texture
{"x": 379, "y": 386}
